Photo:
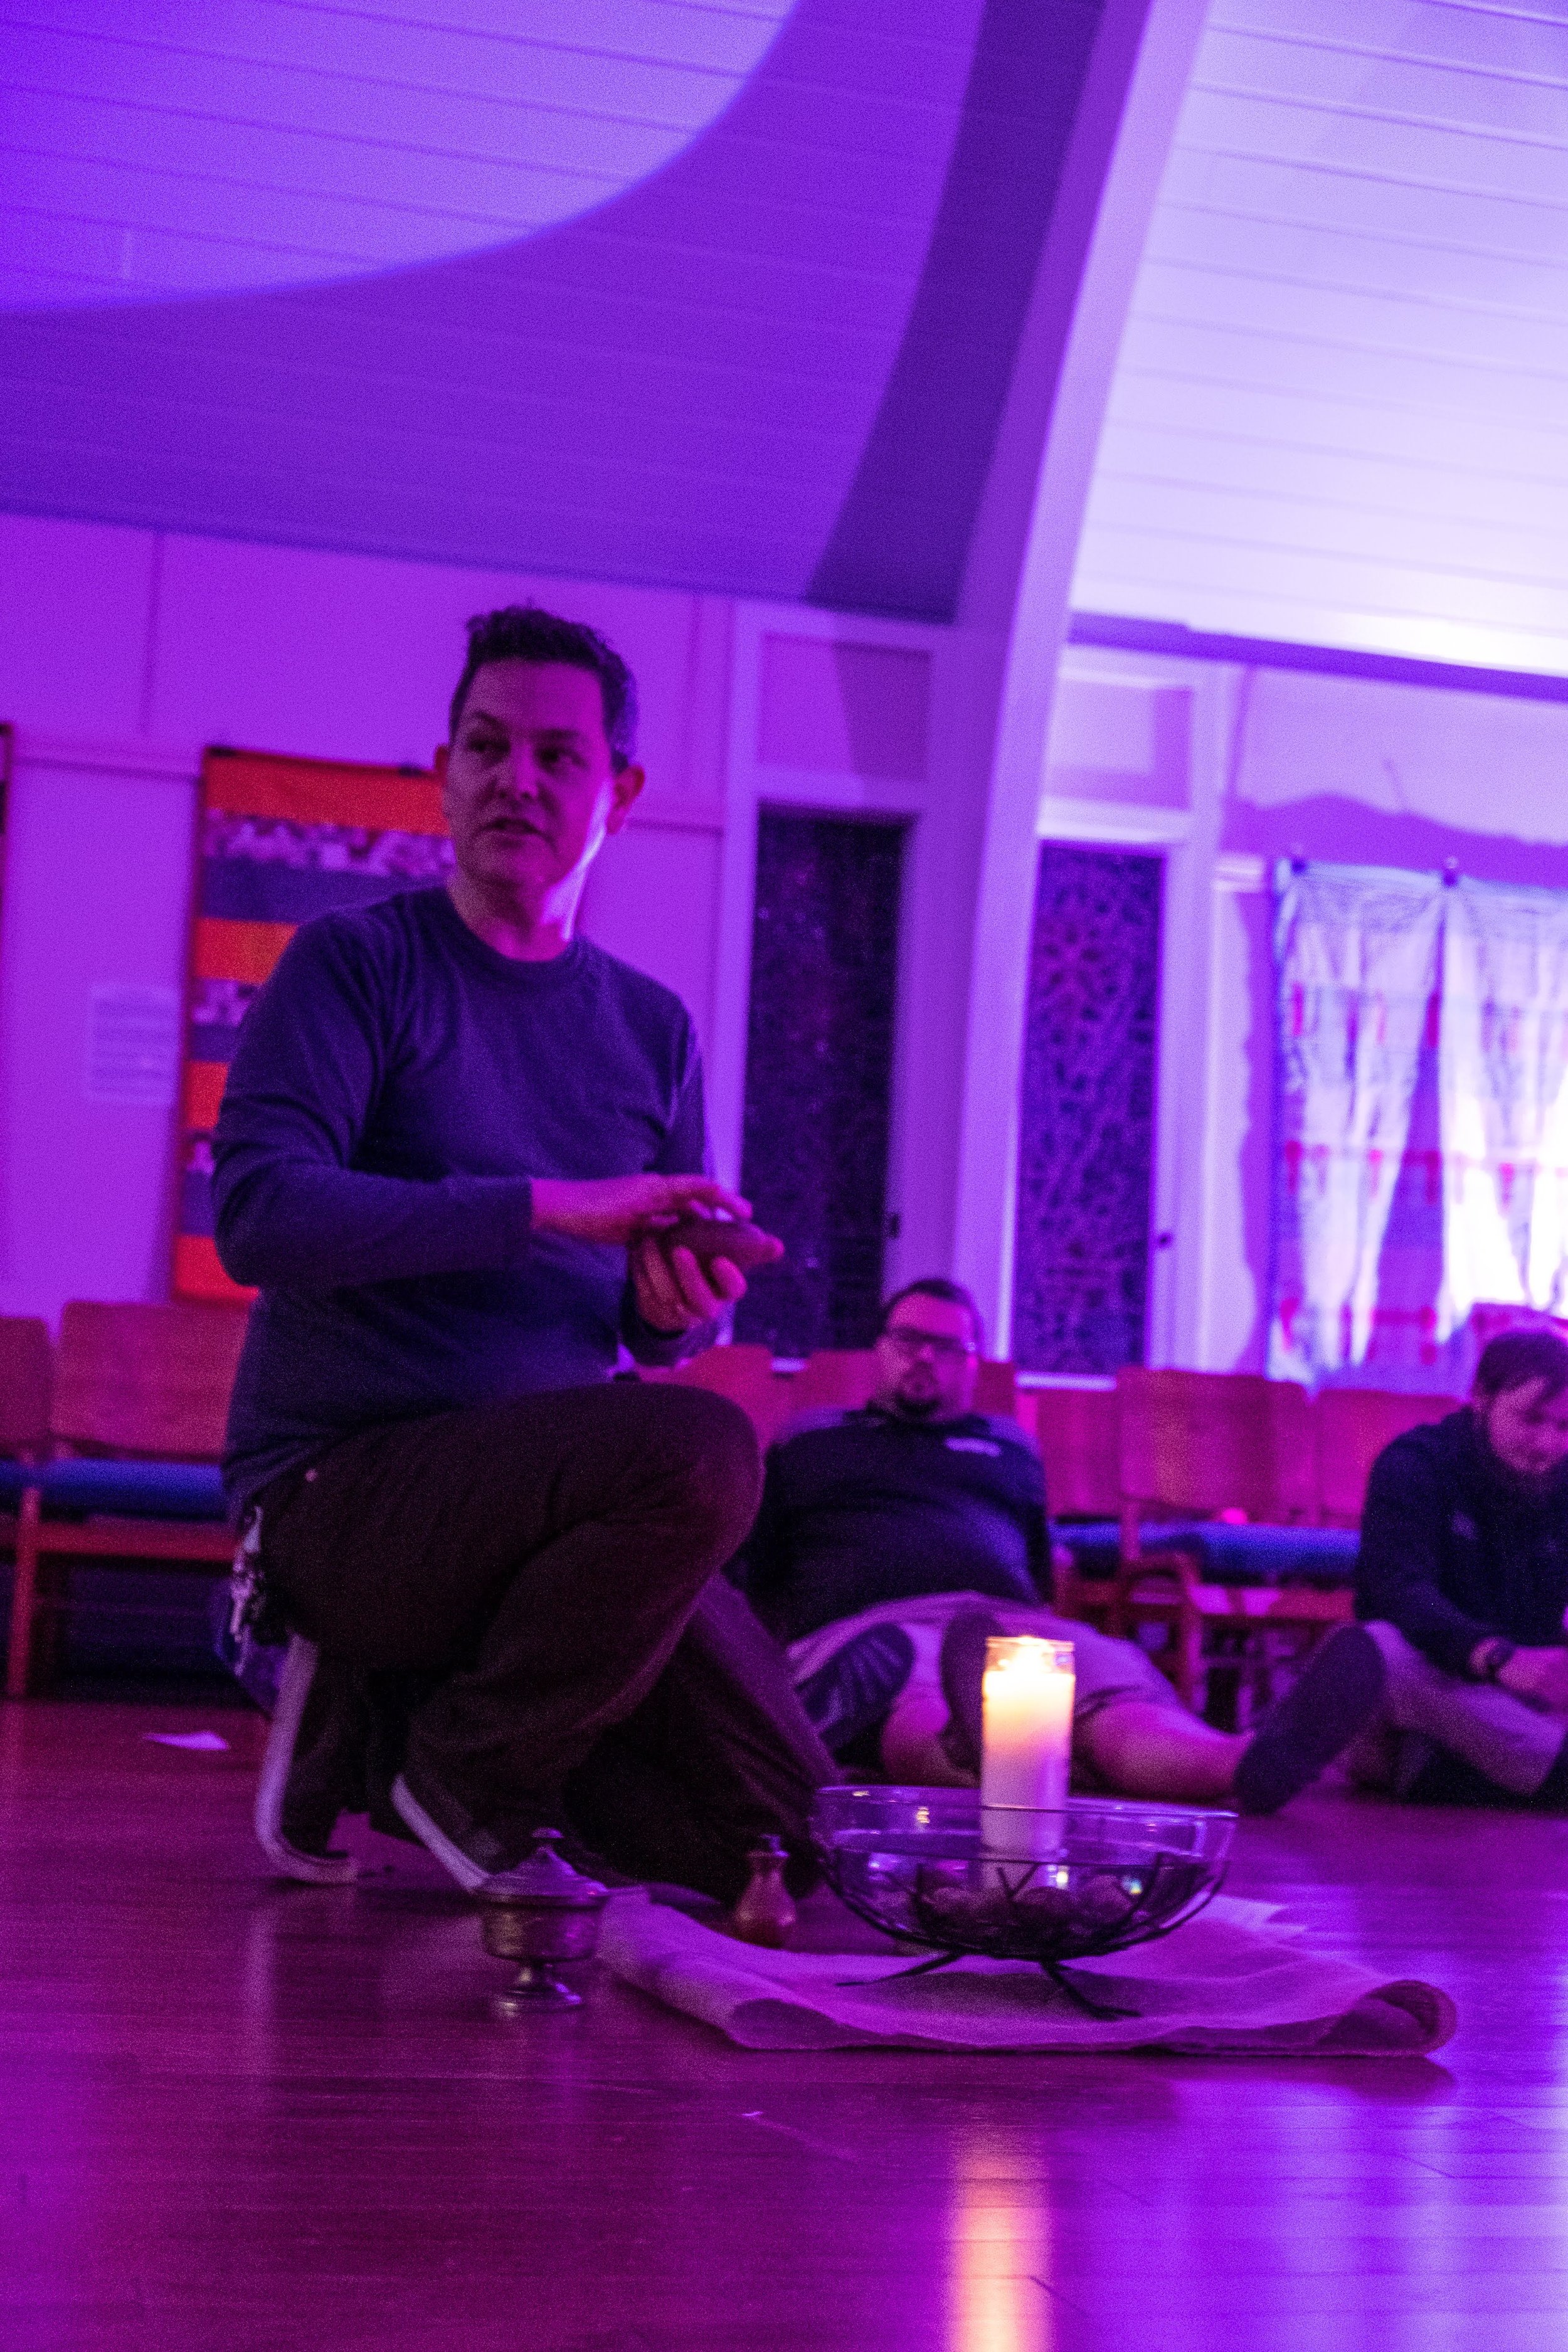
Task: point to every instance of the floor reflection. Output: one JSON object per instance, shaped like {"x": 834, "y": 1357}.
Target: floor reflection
{"x": 1000, "y": 2254}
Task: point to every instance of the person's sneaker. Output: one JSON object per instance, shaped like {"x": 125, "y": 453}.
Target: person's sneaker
{"x": 856, "y": 1689}
{"x": 962, "y": 1670}
{"x": 312, "y": 1769}
{"x": 470, "y": 1851}
{"x": 1335, "y": 1697}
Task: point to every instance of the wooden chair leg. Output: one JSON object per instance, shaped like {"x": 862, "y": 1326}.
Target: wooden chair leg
{"x": 1117, "y": 1622}
{"x": 51, "y": 1609}
{"x": 1159, "y": 1587}
{"x": 1189, "y": 1638}
{"x": 24, "y": 1598}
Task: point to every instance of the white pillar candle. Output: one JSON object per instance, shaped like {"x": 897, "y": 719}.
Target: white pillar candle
{"x": 1026, "y": 1694}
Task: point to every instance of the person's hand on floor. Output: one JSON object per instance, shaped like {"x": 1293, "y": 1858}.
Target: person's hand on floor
{"x": 1540, "y": 1677}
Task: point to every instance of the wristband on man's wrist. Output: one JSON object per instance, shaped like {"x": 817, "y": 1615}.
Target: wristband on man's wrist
{"x": 1490, "y": 1658}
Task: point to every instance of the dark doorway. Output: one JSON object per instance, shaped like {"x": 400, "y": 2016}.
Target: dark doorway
{"x": 819, "y": 1064}
{"x": 1086, "y": 1123}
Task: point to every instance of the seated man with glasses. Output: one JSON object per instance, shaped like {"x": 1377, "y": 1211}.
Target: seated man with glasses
{"x": 892, "y": 1542}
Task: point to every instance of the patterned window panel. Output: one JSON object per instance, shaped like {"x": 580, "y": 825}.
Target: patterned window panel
{"x": 1086, "y": 1112}
{"x": 281, "y": 841}
{"x": 819, "y": 1061}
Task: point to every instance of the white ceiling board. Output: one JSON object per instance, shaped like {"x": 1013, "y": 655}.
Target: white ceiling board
{"x": 1341, "y": 410}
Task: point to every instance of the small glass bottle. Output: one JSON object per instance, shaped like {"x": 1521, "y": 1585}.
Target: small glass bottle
{"x": 764, "y": 1913}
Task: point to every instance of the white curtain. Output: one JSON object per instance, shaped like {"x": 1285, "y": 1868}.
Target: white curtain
{"x": 1358, "y": 952}
{"x": 1503, "y": 1081}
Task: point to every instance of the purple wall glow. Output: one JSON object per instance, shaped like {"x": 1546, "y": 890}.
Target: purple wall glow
{"x": 189, "y": 151}
{"x": 773, "y": 368}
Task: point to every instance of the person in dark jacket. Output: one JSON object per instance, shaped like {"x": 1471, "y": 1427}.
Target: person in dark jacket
{"x": 893, "y": 1541}
{"x": 455, "y": 1138}
{"x": 1462, "y": 1581}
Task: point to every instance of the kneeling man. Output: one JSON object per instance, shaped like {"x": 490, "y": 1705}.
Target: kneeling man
{"x": 1463, "y": 1581}
{"x": 892, "y": 1542}
{"x": 454, "y": 1136}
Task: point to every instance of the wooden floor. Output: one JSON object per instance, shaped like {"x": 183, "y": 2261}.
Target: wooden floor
{"x": 241, "y": 2116}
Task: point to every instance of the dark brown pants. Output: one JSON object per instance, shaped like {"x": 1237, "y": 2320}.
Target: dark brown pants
{"x": 553, "y": 1560}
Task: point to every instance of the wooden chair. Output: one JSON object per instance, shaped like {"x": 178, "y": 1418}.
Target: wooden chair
{"x": 1076, "y": 1430}
{"x": 834, "y": 1380}
{"x": 26, "y": 1382}
{"x": 840, "y": 1380}
{"x": 744, "y": 1373}
{"x": 25, "y": 1375}
{"x": 139, "y": 1403}
{"x": 1194, "y": 1445}
{"x": 996, "y": 1387}
{"x": 1353, "y": 1425}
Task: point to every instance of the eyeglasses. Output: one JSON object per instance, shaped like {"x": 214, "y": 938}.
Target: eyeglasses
{"x": 905, "y": 1340}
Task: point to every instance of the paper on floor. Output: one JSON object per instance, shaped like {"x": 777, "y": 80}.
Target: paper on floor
{"x": 1236, "y": 1981}
{"x": 204, "y": 1743}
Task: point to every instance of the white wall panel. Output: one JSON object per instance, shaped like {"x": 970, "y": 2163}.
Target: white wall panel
{"x": 97, "y": 884}
{"x": 1341, "y": 410}
{"x": 342, "y": 656}
{"x": 74, "y": 607}
{"x": 653, "y": 900}
{"x": 122, "y": 653}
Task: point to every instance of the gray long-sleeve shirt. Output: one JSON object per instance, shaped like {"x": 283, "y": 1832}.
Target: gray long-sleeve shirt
{"x": 396, "y": 1085}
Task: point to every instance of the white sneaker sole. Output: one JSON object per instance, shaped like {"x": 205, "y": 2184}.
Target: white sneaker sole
{"x": 452, "y": 1859}
{"x": 294, "y": 1690}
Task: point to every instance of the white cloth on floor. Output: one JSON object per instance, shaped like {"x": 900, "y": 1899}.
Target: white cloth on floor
{"x": 1234, "y": 1981}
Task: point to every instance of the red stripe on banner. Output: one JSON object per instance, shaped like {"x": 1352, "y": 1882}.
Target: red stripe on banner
{"x": 299, "y": 791}
{"x": 204, "y": 1088}
{"x": 225, "y": 951}
{"x": 321, "y": 791}
{"x": 199, "y": 1274}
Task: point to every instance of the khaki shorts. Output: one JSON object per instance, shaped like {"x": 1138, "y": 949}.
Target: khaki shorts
{"x": 1105, "y": 1671}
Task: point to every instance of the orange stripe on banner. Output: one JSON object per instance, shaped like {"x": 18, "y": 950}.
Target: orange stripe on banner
{"x": 321, "y": 791}
{"x": 198, "y": 1275}
{"x": 204, "y": 1083}
{"x": 225, "y": 951}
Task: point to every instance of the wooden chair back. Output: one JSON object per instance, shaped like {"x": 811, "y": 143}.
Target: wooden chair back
{"x": 840, "y": 1380}
{"x": 1353, "y": 1427}
{"x": 1201, "y": 1443}
{"x": 27, "y": 1367}
{"x": 145, "y": 1380}
{"x": 1077, "y": 1432}
{"x": 744, "y": 1373}
{"x": 835, "y": 1379}
{"x": 996, "y": 1387}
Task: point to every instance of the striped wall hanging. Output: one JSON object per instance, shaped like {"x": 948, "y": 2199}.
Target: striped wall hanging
{"x": 278, "y": 841}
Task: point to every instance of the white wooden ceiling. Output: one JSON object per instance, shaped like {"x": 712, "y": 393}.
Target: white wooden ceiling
{"x": 1340, "y": 410}
{"x": 186, "y": 149}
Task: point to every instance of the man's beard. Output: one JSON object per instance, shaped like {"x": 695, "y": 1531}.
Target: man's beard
{"x": 916, "y": 1408}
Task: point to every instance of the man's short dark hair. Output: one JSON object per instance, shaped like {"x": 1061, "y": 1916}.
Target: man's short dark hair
{"x": 936, "y": 1286}
{"x": 1517, "y": 1359}
{"x": 527, "y": 633}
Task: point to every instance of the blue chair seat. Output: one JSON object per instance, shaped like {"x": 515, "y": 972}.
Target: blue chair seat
{"x": 1224, "y": 1554}
{"x": 129, "y": 1490}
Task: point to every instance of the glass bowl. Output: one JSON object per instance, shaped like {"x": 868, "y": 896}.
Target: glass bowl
{"x": 1100, "y": 1875}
